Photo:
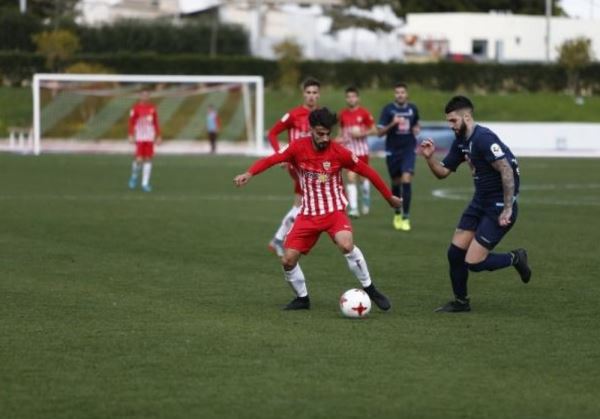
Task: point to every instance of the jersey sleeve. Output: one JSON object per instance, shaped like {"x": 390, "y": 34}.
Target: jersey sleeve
{"x": 132, "y": 120}
{"x": 490, "y": 148}
{"x": 155, "y": 122}
{"x": 454, "y": 157}
{"x": 369, "y": 120}
{"x": 384, "y": 118}
{"x": 417, "y": 116}
{"x": 285, "y": 123}
{"x": 285, "y": 154}
{"x": 351, "y": 162}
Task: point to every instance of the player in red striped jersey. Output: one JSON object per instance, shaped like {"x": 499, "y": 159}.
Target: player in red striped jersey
{"x": 357, "y": 123}
{"x": 295, "y": 122}
{"x": 144, "y": 130}
{"x": 319, "y": 164}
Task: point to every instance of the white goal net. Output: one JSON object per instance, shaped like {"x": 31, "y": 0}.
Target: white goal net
{"x": 90, "y": 112}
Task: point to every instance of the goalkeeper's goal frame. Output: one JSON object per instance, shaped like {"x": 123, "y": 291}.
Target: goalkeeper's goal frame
{"x": 255, "y": 129}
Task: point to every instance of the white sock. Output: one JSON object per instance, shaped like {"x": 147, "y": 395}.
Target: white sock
{"x": 286, "y": 223}
{"x": 352, "y": 192}
{"x": 366, "y": 191}
{"x": 135, "y": 169}
{"x": 358, "y": 266}
{"x": 295, "y": 278}
{"x": 146, "y": 171}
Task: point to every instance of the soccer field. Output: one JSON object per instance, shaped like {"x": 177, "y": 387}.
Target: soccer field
{"x": 118, "y": 304}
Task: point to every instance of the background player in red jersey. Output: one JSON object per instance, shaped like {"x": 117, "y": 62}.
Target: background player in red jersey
{"x": 319, "y": 164}
{"x": 143, "y": 131}
{"x": 356, "y": 123}
{"x": 295, "y": 122}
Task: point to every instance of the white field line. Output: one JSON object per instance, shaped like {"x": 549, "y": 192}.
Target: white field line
{"x": 462, "y": 194}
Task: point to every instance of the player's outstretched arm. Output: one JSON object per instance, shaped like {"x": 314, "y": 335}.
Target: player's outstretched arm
{"x": 262, "y": 165}
{"x": 427, "y": 148}
{"x": 366, "y": 171}
{"x": 241, "y": 180}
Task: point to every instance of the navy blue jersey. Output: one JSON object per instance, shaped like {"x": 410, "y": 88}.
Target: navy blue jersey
{"x": 401, "y": 137}
{"x": 481, "y": 150}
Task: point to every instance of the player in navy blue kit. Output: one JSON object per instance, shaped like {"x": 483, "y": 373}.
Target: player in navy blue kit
{"x": 493, "y": 210}
{"x": 399, "y": 122}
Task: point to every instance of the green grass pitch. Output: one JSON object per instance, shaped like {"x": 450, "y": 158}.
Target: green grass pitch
{"x": 167, "y": 305}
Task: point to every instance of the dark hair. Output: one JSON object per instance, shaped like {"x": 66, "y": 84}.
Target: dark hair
{"x": 311, "y": 81}
{"x": 458, "y": 103}
{"x": 322, "y": 117}
{"x": 351, "y": 89}
{"x": 401, "y": 84}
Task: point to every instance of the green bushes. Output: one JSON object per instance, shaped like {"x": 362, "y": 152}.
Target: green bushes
{"x": 161, "y": 37}
{"x": 19, "y": 66}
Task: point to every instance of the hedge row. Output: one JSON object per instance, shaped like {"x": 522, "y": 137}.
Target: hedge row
{"x": 17, "y": 67}
{"x": 16, "y": 32}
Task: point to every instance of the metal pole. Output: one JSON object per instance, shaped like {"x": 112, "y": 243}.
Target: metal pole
{"x": 548, "y": 15}
{"x": 23, "y": 6}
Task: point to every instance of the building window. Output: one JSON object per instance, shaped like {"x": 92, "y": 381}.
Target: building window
{"x": 480, "y": 48}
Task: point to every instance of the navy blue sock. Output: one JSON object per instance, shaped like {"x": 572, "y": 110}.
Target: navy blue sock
{"x": 459, "y": 273}
{"x": 406, "y": 195}
{"x": 397, "y": 192}
{"x": 493, "y": 262}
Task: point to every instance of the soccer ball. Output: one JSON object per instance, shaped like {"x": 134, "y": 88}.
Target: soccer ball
{"x": 355, "y": 303}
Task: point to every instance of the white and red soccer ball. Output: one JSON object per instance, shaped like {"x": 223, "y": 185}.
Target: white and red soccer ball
{"x": 355, "y": 303}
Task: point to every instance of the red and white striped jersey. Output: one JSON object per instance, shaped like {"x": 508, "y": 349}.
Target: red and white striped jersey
{"x": 320, "y": 173}
{"x": 143, "y": 122}
{"x": 357, "y": 119}
{"x": 295, "y": 122}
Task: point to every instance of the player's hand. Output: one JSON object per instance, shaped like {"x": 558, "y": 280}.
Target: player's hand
{"x": 504, "y": 218}
{"x": 130, "y": 138}
{"x": 427, "y": 148}
{"x": 241, "y": 180}
{"x": 158, "y": 140}
{"x": 397, "y": 119}
{"x": 394, "y": 201}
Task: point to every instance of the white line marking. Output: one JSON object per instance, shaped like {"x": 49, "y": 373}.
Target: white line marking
{"x": 462, "y": 194}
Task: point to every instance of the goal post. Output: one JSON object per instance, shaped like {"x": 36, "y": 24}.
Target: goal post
{"x": 88, "y": 112}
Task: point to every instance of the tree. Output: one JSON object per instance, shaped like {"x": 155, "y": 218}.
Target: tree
{"x": 289, "y": 55}
{"x": 57, "y": 46}
{"x": 51, "y": 10}
{"x": 403, "y": 7}
{"x": 574, "y": 55}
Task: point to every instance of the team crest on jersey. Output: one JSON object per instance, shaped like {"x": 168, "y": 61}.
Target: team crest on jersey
{"x": 359, "y": 119}
{"x": 326, "y": 165}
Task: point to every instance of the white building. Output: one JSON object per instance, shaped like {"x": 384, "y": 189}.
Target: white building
{"x": 269, "y": 22}
{"x": 499, "y": 36}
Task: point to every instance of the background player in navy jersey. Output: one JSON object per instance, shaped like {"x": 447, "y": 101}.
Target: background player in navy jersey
{"x": 399, "y": 122}
{"x": 493, "y": 210}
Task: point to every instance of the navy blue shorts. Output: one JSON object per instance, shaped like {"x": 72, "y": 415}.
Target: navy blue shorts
{"x": 401, "y": 161}
{"x": 483, "y": 220}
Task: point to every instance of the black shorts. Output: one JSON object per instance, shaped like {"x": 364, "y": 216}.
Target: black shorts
{"x": 482, "y": 218}
{"x": 400, "y": 161}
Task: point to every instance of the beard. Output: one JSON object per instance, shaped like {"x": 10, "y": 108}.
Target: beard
{"x": 462, "y": 130}
{"x": 320, "y": 146}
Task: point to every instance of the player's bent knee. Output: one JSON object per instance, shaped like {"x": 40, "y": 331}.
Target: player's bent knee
{"x": 476, "y": 267}
{"x": 456, "y": 255}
